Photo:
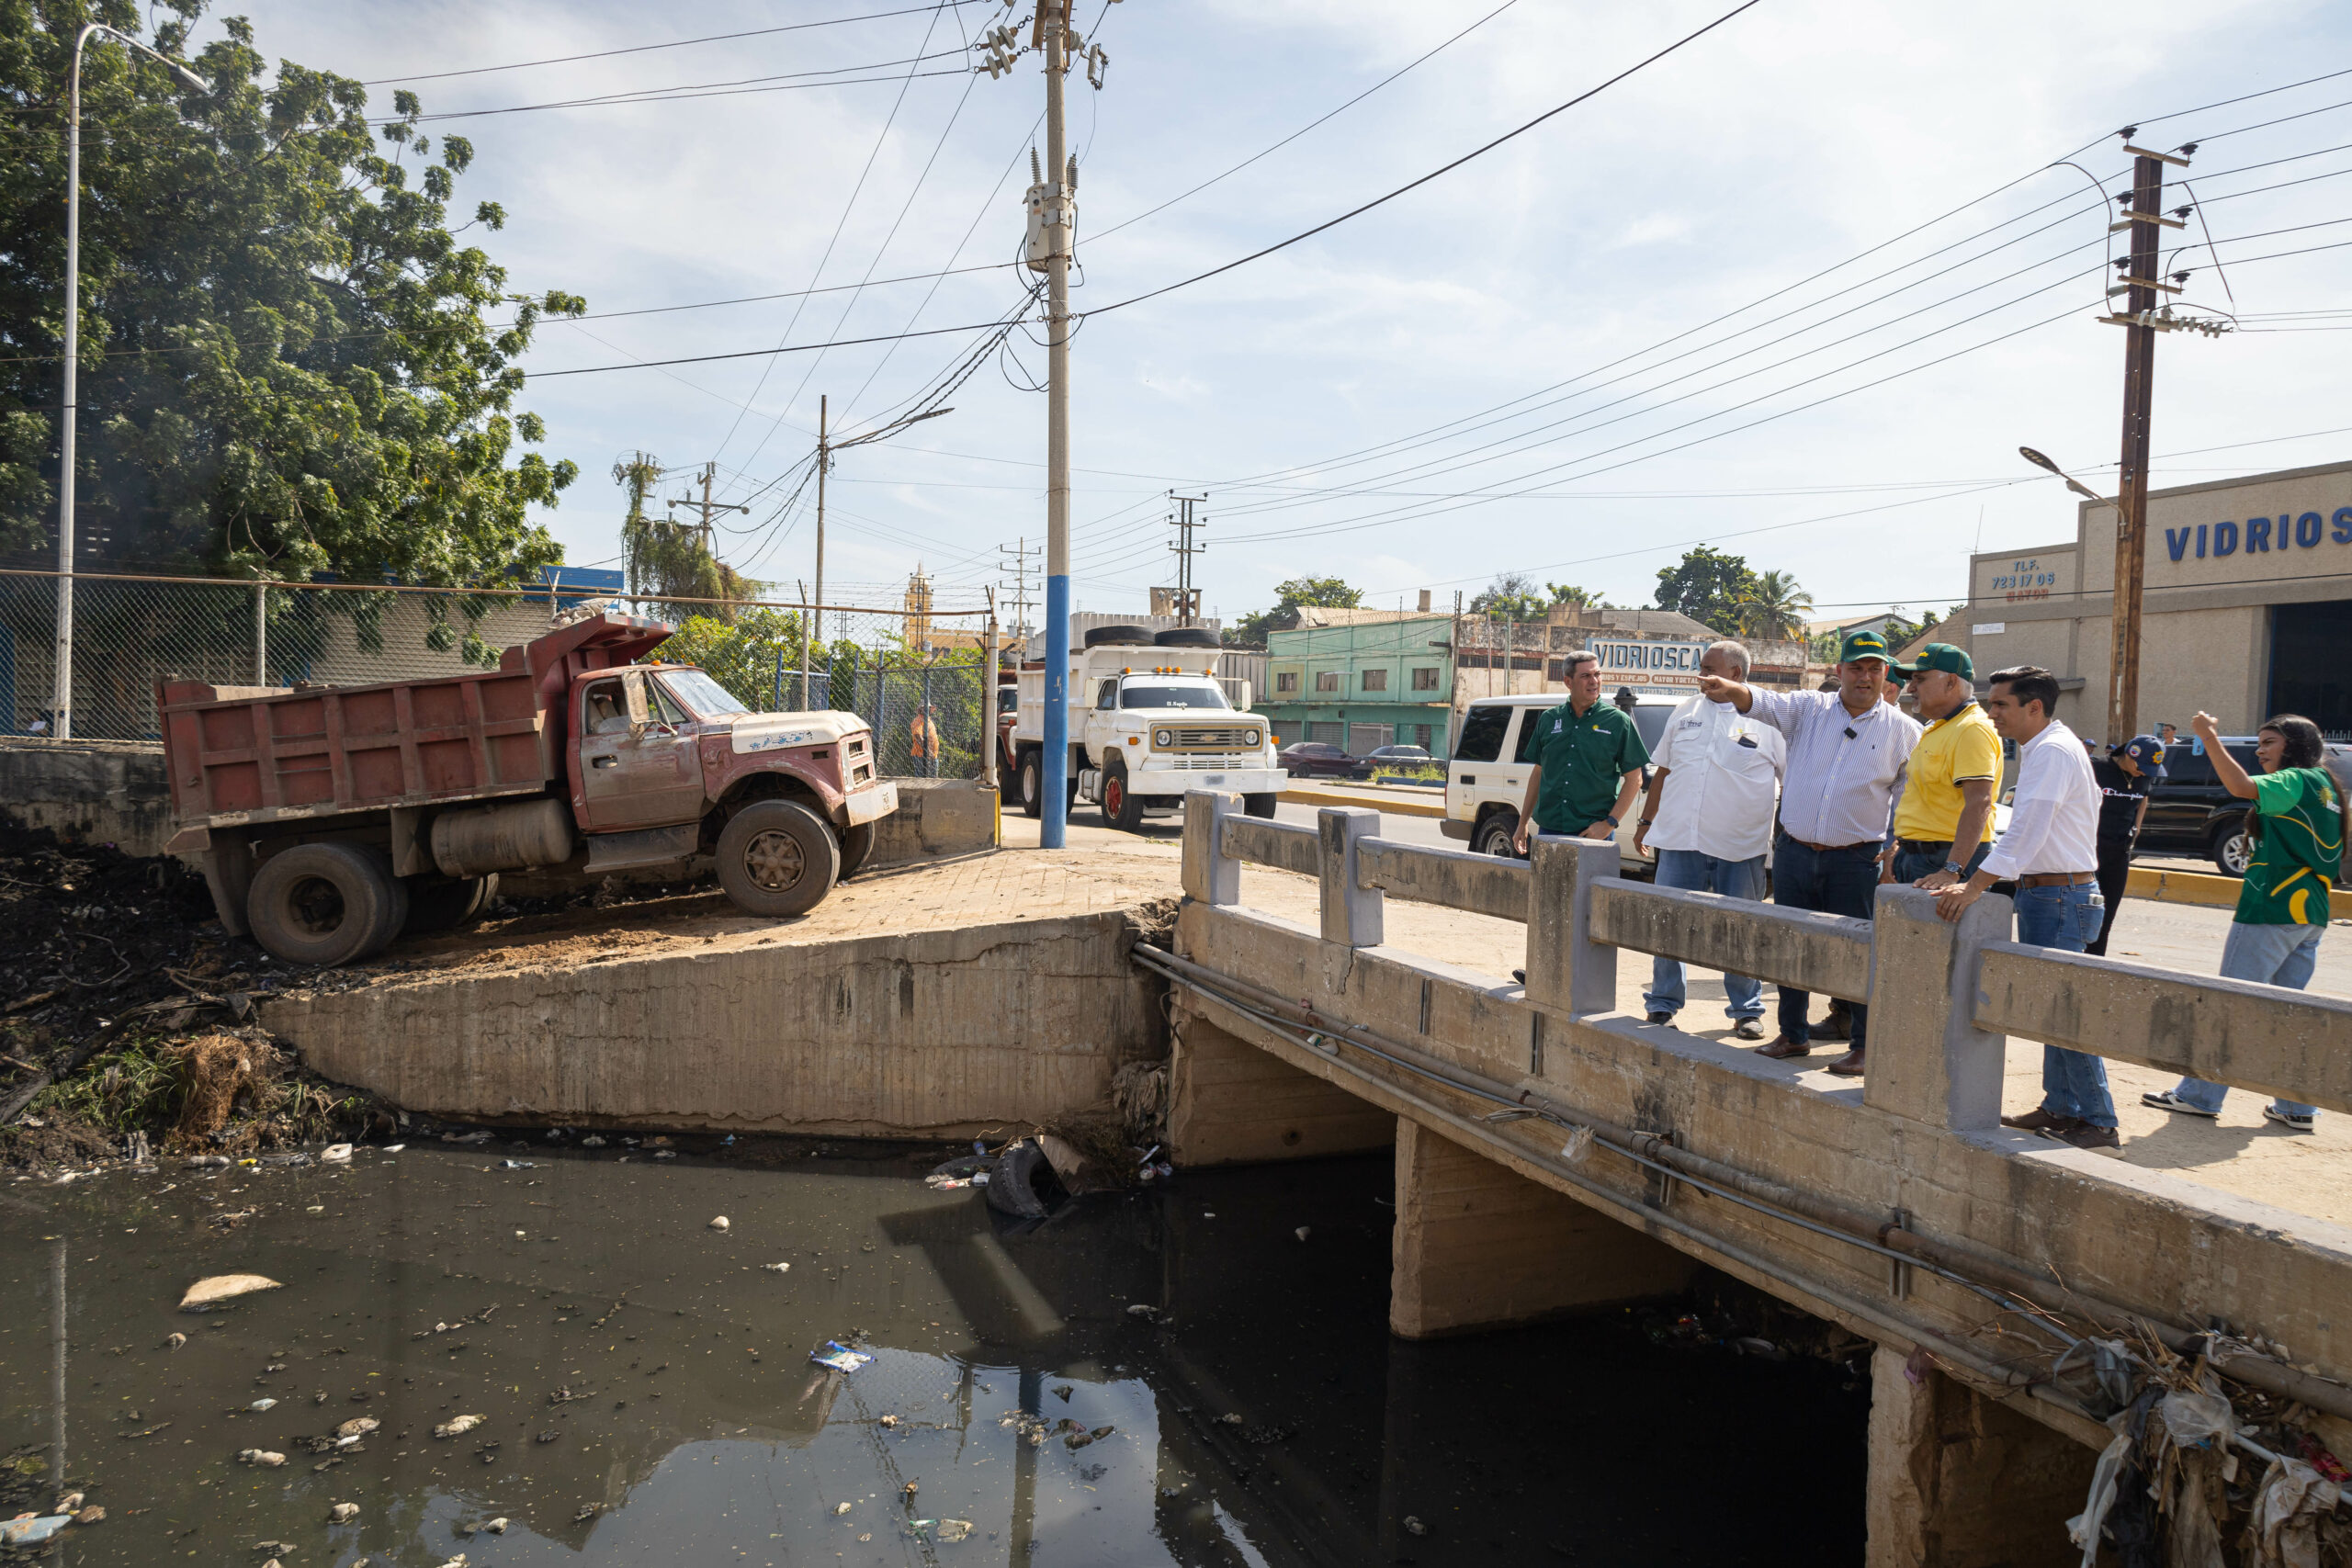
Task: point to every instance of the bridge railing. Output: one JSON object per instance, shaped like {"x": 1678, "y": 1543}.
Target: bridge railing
{"x": 1943, "y": 996}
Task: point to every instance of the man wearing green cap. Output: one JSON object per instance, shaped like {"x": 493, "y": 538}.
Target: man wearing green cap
{"x": 1943, "y": 824}
{"x": 1847, "y": 749}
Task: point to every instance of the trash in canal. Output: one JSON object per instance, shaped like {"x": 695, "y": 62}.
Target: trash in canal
{"x": 1302, "y": 1232}
{"x": 518, "y": 1165}
{"x": 720, "y": 1224}
{"x": 89, "y": 1516}
{"x": 840, "y": 1509}
{"x": 954, "y": 1529}
{"x": 29, "y": 1530}
{"x": 343, "y": 1512}
{"x": 262, "y": 1457}
{"x": 778, "y": 1268}
{"x": 357, "y": 1426}
{"x": 210, "y": 1292}
{"x": 839, "y": 1357}
{"x": 1415, "y": 1527}
{"x": 174, "y": 1341}
{"x": 263, "y": 1405}
{"x": 457, "y": 1425}
{"x": 335, "y": 1154}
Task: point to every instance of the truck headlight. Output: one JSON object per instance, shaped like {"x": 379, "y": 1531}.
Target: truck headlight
{"x": 1163, "y": 738}
{"x": 1250, "y": 739}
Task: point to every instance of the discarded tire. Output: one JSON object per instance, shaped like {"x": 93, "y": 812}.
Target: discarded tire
{"x": 1022, "y": 1184}
{"x": 1186, "y": 636}
{"x": 323, "y": 903}
{"x": 778, "y": 857}
{"x": 1103, "y": 637}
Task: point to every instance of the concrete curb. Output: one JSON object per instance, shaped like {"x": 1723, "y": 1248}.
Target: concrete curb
{"x": 2182, "y": 887}
{"x": 1377, "y": 803}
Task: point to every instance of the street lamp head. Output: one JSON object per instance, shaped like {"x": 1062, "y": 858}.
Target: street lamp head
{"x": 2037, "y": 459}
{"x": 196, "y": 83}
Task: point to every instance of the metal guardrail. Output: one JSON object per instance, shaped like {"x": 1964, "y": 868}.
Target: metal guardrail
{"x": 1968, "y": 982}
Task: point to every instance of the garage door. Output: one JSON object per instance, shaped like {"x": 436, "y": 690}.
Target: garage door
{"x": 1330, "y": 734}
{"x": 1364, "y": 738}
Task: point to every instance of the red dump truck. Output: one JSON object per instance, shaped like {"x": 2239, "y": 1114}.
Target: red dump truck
{"x": 332, "y": 819}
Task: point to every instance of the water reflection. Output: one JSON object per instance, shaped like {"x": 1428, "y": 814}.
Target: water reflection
{"x": 646, "y": 1396}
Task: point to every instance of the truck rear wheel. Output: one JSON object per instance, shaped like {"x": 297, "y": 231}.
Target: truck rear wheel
{"x": 857, "y": 844}
{"x": 1259, "y": 804}
{"x": 323, "y": 904}
{"x": 778, "y": 857}
{"x": 449, "y": 906}
{"x": 1033, "y": 786}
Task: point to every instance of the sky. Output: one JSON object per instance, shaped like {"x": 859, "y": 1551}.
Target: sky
{"x": 1800, "y": 289}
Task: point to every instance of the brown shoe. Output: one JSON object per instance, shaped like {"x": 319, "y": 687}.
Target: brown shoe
{"x": 2092, "y": 1140}
{"x": 2038, "y": 1121}
{"x": 1849, "y": 1066}
{"x": 1782, "y": 1048}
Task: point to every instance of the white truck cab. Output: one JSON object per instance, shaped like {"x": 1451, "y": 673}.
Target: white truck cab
{"x": 1486, "y": 779}
{"x": 1148, "y": 720}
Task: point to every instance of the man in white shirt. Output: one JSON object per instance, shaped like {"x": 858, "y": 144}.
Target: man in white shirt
{"x": 2050, "y": 852}
{"x": 1708, "y": 814}
{"x": 1848, "y": 751}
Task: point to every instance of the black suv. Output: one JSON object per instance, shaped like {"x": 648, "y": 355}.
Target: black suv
{"x": 2189, "y": 811}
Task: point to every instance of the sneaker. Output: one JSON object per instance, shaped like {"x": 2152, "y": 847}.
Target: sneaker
{"x": 2293, "y": 1121}
{"x": 1520, "y": 976}
{"x": 1661, "y": 1018}
{"x": 2092, "y": 1140}
{"x": 2038, "y": 1121}
{"x": 2168, "y": 1100}
{"x": 1747, "y": 1029}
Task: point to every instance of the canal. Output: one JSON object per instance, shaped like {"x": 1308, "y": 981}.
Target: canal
{"x": 1196, "y": 1373}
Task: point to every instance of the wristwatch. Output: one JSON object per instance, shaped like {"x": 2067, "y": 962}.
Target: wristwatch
{"x": 1646, "y": 821}
{"x": 1955, "y": 868}
{"x": 1614, "y": 823}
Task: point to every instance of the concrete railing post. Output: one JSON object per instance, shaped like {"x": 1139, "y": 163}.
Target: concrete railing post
{"x": 1567, "y": 972}
{"x": 1927, "y": 1059}
{"x": 1352, "y": 914}
{"x": 1211, "y": 876}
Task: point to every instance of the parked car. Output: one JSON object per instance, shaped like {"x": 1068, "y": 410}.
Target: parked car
{"x": 1321, "y": 760}
{"x": 2190, "y": 813}
{"x": 1486, "y": 779}
{"x": 1402, "y": 756}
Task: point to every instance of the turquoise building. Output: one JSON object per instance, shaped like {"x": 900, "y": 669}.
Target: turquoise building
{"x": 1361, "y": 678}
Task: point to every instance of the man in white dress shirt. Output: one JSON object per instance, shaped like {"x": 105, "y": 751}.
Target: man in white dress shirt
{"x": 2050, "y": 852}
{"x": 1848, "y": 751}
{"x": 1708, "y": 814}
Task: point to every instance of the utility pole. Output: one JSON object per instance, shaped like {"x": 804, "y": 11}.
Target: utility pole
{"x": 1188, "y": 601}
{"x": 1018, "y": 555}
{"x": 2143, "y": 216}
{"x": 824, "y": 461}
{"x": 707, "y": 506}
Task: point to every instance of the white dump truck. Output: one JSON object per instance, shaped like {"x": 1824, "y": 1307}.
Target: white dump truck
{"x": 1148, "y": 720}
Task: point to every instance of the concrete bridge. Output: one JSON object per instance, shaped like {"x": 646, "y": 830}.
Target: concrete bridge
{"x": 1555, "y": 1153}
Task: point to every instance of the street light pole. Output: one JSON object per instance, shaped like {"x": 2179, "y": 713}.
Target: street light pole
{"x": 61, "y": 699}
{"x": 1060, "y": 226}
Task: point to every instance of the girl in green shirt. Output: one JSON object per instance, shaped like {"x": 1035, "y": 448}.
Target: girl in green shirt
{"x": 2297, "y": 824}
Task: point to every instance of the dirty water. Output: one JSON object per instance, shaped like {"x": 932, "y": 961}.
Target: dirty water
{"x": 646, "y": 1395}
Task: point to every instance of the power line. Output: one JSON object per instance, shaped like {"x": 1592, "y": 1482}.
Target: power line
{"x": 669, "y": 97}
{"x": 1433, "y": 174}
{"x": 757, "y": 353}
{"x": 647, "y": 47}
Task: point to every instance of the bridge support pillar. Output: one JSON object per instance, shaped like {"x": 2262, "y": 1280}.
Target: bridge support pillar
{"x": 1478, "y": 1246}
{"x": 1231, "y": 1103}
{"x": 1961, "y": 1481}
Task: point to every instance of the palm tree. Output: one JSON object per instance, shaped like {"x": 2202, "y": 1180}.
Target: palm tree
{"x": 667, "y": 558}
{"x": 1775, "y": 607}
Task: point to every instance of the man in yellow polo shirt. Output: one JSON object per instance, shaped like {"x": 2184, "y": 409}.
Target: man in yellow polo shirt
{"x": 1943, "y": 824}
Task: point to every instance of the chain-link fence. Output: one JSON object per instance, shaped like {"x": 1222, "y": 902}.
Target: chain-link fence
{"x": 917, "y": 678}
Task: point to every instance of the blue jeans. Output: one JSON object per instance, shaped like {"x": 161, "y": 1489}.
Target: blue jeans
{"x": 1695, "y": 871}
{"x": 2275, "y": 955}
{"x": 1910, "y": 867}
{"x": 1835, "y": 882}
{"x": 2074, "y": 1083}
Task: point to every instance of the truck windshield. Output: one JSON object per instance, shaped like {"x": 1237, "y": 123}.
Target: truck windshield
{"x": 1171, "y": 695}
{"x": 701, "y": 696}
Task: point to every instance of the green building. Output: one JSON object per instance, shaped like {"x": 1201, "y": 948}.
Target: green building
{"x": 1361, "y": 678}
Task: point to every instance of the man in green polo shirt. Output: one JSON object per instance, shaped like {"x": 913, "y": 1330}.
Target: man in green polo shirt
{"x": 1589, "y": 760}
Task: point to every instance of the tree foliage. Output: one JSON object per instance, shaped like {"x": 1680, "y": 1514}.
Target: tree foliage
{"x": 1775, "y": 607}
{"x": 1329, "y": 592}
{"x": 670, "y": 558}
{"x": 288, "y": 361}
{"x": 1707, "y": 585}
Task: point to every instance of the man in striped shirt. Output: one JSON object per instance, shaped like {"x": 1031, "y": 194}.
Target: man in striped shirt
{"x": 1847, "y": 752}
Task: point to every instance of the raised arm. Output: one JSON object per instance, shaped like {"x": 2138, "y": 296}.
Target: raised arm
{"x": 2233, "y": 777}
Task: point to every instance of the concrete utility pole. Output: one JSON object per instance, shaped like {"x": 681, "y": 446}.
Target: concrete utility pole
{"x": 1061, "y": 223}
{"x": 707, "y": 506}
{"x": 1018, "y": 554}
{"x": 1188, "y": 598}
{"x": 2141, "y": 285}
{"x": 824, "y": 461}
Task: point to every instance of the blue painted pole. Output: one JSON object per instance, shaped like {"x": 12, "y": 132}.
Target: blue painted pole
{"x": 1055, "y": 770}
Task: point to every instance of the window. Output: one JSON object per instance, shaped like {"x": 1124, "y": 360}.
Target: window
{"x": 1375, "y": 679}
{"x": 1482, "y": 734}
{"x": 1421, "y": 731}
{"x": 1286, "y": 680}
{"x": 1106, "y": 696}
{"x": 1425, "y": 679}
{"x": 698, "y": 691}
{"x": 1171, "y": 695}
{"x": 1326, "y": 680}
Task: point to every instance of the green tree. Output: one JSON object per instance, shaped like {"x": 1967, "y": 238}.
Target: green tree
{"x": 1511, "y": 596}
{"x": 668, "y": 558}
{"x": 289, "y": 364}
{"x": 1774, "y": 607}
{"x": 1328, "y": 592}
{"x": 1707, "y": 585}
{"x": 1568, "y": 594}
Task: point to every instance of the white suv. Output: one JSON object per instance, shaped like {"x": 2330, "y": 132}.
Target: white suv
{"x": 1486, "y": 779}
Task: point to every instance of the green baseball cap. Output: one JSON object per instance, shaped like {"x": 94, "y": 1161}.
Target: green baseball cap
{"x": 1940, "y": 656}
{"x": 1863, "y": 644}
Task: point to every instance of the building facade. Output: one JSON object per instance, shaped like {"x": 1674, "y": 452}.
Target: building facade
{"x": 2247, "y": 609}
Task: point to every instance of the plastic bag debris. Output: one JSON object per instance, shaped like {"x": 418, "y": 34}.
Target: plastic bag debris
{"x": 518, "y": 1165}
{"x": 839, "y": 1356}
{"x": 1415, "y": 1527}
{"x": 335, "y": 1154}
{"x": 954, "y": 1529}
{"x": 840, "y": 1509}
{"x": 1301, "y": 1233}
{"x": 210, "y": 1292}
{"x": 718, "y": 1223}
{"x": 357, "y": 1426}
{"x": 28, "y": 1529}
{"x": 2288, "y": 1508}
{"x": 2196, "y": 1419}
{"x": 456, "y": 1425}
{"x": 262, "y": 1457}
{"x": 778, "y": 1268}
{"x": 1579, "y": 1144}
{"x": 263, "y": 1405}
{"x": 591, "y": 1142}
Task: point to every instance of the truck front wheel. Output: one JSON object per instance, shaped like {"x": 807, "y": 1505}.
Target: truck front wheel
{"x": 1122, "y": 808}
{"x": 778, "y": 857}
{"x": 323, "y": 904}
{"x": 857, "y": 844}
{"x": 1259, "y": 804}
{"x": 1033, "y": 786}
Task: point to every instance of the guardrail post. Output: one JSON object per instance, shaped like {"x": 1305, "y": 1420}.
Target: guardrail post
{"x": 1352, "y": 914}
{"x": 1567, "y": 972}
{"x": 1928, "y": 1060}
{"x": 1211, "y": 876}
